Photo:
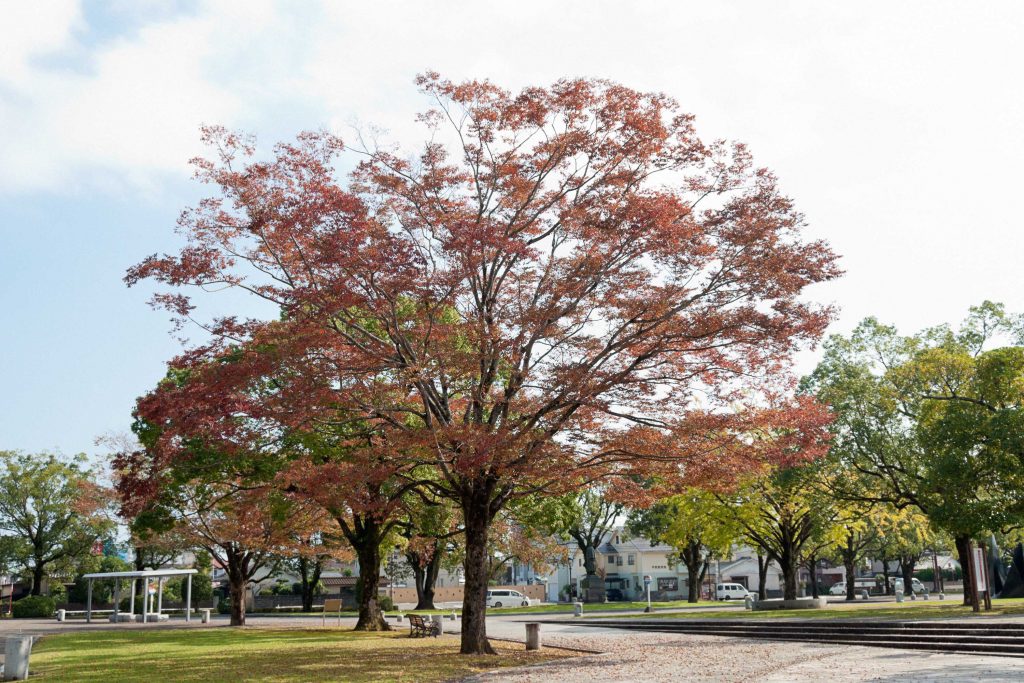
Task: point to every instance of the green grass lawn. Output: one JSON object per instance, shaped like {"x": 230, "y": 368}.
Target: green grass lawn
{"x": 919, "y": 609}
{"x": 256, "y": 654}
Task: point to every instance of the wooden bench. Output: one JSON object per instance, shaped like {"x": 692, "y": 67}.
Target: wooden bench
{"x": 418, "y": 626}
{"x": 332, "y": 606}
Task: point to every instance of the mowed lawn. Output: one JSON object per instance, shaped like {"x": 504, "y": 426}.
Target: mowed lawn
{"x": 951, "y": 607}
{"x": 258, "y": 654}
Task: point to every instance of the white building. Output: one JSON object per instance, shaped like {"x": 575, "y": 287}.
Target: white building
{"x": 624, "y": 562}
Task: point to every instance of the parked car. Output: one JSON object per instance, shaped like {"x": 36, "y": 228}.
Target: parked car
{"x": 839, "y": 588}
{"x": 507, "y": 598}
{"x": 897, "y": 585}
{"x": 730, "y": 591}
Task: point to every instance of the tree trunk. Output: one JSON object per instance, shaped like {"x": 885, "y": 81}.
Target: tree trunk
{"x": 365, "y": 536}
{"x": 789, "y": 568}
{"x": 762, "y": 576}
{"x": 850, "y": 565}
{"x": 694, "y": 561}
{"x": 425, "y": 600}
{"x": 885, "y": 575}
{"x": 38, "y": 572}
{"x": 907, "y": 564}
{"x": 237, "y": 590}
{"x": 419, "y": 575}
{"x": 238, "y": 581}
{"x": 425, "y": 576}
{"x": 476, "y": 510}
{"x": 812, "y": 567}
{"x": 309, "y": 576}
{"x": 963, "y": 550}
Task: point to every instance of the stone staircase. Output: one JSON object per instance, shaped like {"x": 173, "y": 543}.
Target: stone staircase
{"x": 962, "y": 637}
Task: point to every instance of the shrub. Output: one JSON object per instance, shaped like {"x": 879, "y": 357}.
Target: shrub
{"x": 59, "y": 593}
{"x": 385, "y": 603}
{"x": 34, "y": 606}
{"x": 140, "y": 606}
{"x": 224, "y": 606}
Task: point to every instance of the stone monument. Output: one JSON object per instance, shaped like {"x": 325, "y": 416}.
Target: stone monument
{"x": 592, "y": 584}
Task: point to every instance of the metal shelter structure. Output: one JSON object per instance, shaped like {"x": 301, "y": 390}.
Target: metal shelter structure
{"x": 160, "y": 576}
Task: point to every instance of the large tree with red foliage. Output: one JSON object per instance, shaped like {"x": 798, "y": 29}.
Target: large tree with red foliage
{"x": 565, "y": 284}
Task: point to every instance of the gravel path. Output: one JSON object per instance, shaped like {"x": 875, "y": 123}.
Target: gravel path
{"x": 634, "y": 657}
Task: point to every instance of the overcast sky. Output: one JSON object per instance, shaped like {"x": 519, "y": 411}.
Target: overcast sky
{"x": 896, "y": 126}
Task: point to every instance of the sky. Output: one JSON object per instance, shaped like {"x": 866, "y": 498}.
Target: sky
{"x": 896, "y": 127}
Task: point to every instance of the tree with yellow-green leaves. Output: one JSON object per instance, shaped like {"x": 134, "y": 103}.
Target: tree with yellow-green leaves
{"x": 786, "y": 515}
{"x": 902, "y": 536}
{"x": 697, "y": 527}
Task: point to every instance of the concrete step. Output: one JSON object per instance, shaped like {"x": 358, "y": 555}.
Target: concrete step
{"x": 854, "y": 637}
{"x": 896, "y": 631}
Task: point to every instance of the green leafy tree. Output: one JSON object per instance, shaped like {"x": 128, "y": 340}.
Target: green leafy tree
{"x": 587, "y": 517}
{"x": 933, "y": 419}
{"x": 103, "y": 591}
{"x": 54, "y": 507}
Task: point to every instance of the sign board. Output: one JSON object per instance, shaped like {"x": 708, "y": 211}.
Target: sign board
{"x": 978, "y": 568}
{"x": 647, "y": 581}
{"x": 668, "y": 583}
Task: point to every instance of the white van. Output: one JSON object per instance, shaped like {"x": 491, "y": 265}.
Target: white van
{"x": 730, "y": 591}
{"x": 507, "y": 598}
{"x": 915, "y": 583}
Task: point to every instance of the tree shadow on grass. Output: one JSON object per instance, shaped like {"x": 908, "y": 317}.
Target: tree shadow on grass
{"x": 260, "y": 655}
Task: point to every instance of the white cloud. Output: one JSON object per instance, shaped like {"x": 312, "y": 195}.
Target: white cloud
{"x": 895, "y": 125}
{"x": 29, "y": 30}
{"x": 130, "y": 107}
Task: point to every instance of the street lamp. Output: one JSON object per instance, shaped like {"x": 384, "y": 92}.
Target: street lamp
{"x": 391, "y": 578}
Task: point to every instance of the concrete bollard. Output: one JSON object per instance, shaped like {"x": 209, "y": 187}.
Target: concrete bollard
{"x": 206, "y": 615}
{"x": 452, "y": 615}
{"x": 925, "y": 595}
{"x": 61, "y": 615}
{"x": 899, "y": 596}
{"x": 913, "y": 595}
{"x": 864, "y": 594}
{"x": 748, "y": 603}
{"x": 942, "y": 596}
{"x": 577, "y": 609}
{"x": 533, "y": 636}
{"x": 398, "y": 617}
{"x": 16, "y": 655}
